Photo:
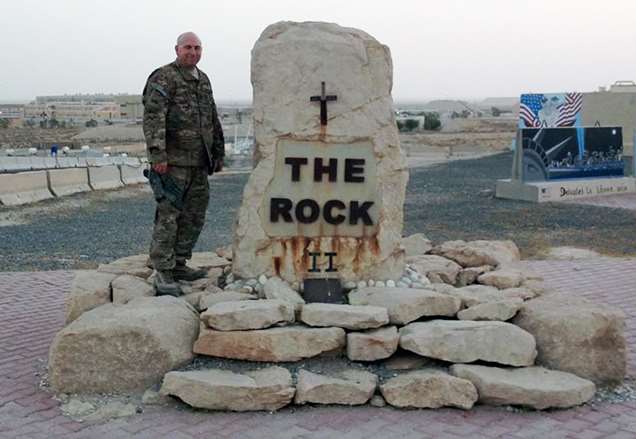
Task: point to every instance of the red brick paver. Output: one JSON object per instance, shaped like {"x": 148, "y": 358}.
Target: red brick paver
{"x": 31, "y": 312}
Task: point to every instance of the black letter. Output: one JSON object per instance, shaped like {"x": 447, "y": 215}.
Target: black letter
{"x": 313, "y": 214}
{"x": 280, "y": 206}
{"x": 314, "y": 268}
{"x": 354, "y": 166}
{"x": 319, "y": 169}
{"x": 295, "y": 163}
{"x": 331, "y": 268}
{"x": 327, "y": 212}
{"x": 360, "y": 212}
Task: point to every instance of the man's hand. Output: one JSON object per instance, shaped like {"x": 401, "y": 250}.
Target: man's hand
{"x": 218, "y": 165}
{"x": 160, "y": 168}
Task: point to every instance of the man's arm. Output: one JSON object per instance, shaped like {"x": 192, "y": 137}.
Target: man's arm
{"x": 156, "y": 99}
{"x": 218, "y": 142}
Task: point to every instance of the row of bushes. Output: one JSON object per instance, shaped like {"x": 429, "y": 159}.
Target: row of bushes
{"x": 431, "y": 123}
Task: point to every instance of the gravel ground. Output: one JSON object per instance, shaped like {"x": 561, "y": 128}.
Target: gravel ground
{"x": 449, "y": 201}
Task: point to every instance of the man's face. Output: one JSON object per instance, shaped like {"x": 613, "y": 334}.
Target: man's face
{"x": 189, "y": 51}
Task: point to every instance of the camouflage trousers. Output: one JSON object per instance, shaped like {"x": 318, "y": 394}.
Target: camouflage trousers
{"x": 177, "y": 231}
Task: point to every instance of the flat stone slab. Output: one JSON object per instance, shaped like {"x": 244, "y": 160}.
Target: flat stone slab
{"x": 344, "y": 316}
{"x": 466, "y": 341}
{"x": 495, "y": 311}
{"x": 502, "y": 278}
{"x": 476, "y": 294}
{"x": 406, "y": 304}
{"x": 416, "y": 244}
{"x": 214, "y": 389}
{"x": 276, "y": 288}
{"x": 209, "y": 298}
{"x": 89, "y": 290}
{"x": 133, "y": 265}
{"x": 534, "y": 387}
{"x": 429, "y": 388}
{"x": 248, "y": 314}
{"x": 437, "y": 268}
{"x": 126, "y": 288}
{"x": 375, "y": 344}
{"x": 290, "y": 343}
{"x": 477, "y": 253}
{"x": 347, "y": 387}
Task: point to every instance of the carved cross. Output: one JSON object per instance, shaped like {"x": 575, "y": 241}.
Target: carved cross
{"x": 323, "y": 99}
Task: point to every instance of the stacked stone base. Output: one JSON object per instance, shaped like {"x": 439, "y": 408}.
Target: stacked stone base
{"x": 476, "y": 333}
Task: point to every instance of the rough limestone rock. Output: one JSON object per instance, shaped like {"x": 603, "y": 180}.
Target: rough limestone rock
{"x": 248, "y": 314}
{"x": 215, "y": 389}
{"x": 193, "y": 298}
{"x": 466, "y": 341}
{"x": 522, "y": 293}
{"x": 210, "y": 299}
{"x": 132, "y": 265}
{"x": 577, "y": 336}
{"x": 476, "y": 294}
{"x": 406, "y": 304}
{"x": 207, "y": 260}
{"x": 429, "y": 388}
{"x": 537, "y": 287}
{"x": 276, "y": 288}
{"x": 437, "y": 268}
{"x": 416, "y": 244}
{"x": 534, "y": 387}
{"x": 128, "y": 347}
{"x": 372, "y": 345}
{"x": 502, "y": 279}
{"x": 127, "y": 287}
{"x": 500, "y": 311}
{"x": 89, "y": 290}
{"x": 347, "y": 387}
{"x": 290, "y": 343}
{"x": 478, "y": 253}
{"x": 468, "y": 276}
{"x": 288, "y": 66}
{"x": 344, "y": 316}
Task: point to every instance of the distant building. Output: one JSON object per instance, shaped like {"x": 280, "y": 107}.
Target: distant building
{"x": 72, "y": 111}
{"x": 14, "y": 113}
{"x": 623, "y": 87}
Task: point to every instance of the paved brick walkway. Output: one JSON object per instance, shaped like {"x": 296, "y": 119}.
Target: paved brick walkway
{"x": 31, "y": 313}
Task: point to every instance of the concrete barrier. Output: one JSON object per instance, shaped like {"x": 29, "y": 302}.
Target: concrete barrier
{"x": 38, "y": 163}
{"x": 67, "y": 162}
{"x": 68, "y": 181}
{"x": 131, "y": 174}
{"x": 98, "y": 161}
{"x": 104, "y": 177}
{"x": 24, "y": 187}
{"x": 16, "y": 164}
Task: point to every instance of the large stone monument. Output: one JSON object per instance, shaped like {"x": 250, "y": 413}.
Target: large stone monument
{"x": 325, "y": 197}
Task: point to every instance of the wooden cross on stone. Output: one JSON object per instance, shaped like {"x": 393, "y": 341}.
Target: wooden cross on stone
{"x": 323, "y": 99}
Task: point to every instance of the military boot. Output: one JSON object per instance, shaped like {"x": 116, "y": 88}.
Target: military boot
{"x": 165, "y": 285}
{"x": 183, "y": 272}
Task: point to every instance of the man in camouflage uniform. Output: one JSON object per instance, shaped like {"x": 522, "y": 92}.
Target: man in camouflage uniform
{"x": 184, "y": 141}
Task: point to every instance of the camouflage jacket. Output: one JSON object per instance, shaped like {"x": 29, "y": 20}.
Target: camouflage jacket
{"x": 181, "y": 124}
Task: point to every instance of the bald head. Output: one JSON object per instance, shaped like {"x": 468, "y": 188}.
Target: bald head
{"x": 185, "y": 36}
{"x": 188, "y": 49}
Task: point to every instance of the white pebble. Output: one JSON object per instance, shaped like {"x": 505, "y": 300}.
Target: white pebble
{"x": 262, "y": 279}
{"x": 414, "y": 276}
{"x": 407, "y": 280}
{"x": 401, "y": 284}
{"x": 390, "y": 283}
{"x": 362, "y": 284}
{"x": 380, "y": 284}
{"x": 350, "y": 285}
{"x": 371, "y": 283}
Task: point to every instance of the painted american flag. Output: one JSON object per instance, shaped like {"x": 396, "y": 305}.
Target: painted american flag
{"x": 531, "y": 104}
